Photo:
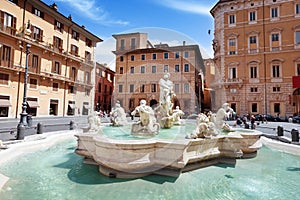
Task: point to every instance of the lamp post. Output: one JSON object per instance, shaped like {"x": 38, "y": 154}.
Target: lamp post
{"x": 23, "y": 119}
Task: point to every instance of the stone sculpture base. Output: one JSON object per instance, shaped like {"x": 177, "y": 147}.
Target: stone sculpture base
{"x": 139, "y": 130}
{"x": 137, "y": 158}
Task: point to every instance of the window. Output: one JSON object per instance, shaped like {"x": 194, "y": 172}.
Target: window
{"x": 56, "y": 67}
{"x": 166, "y": 55}
{"x": 37, "y": 12}
{"x": 298, "y": 69}
{"x": 4, "y": 107}
{"x": 4, "y": 78}
{"x": 232, "y": 42}
{"x": 153, "y": 87}
{"x": 297, "y": 9}
{"x": 252, "y": 16}
{"x": 88, "y": 42}
{"x": 166, "y": 68}
{"x": 132, "y": 43}
{"x": 176, "y": 55}
{"x": 55, "y": 87}
{"x": 277, "y": 107}
{"x": 253, "y": 89}
{"x": 176, "y": 88}
{"x": 88, "y": 56}
{"x": 275, "y": 37}
{"x": 121, "y": 69}
{"x": 6, "y": 54}
{"x": 186, "y": 54}
{"x": 154, "y": 56}
{"x": 121, "y": 58}
{"x": 274, "y": 13}
{"x": 143, "y": 57}
{"x": 153, "y": 69}
{"x": 120, "y": 88}
{"x": 142, "y": 69}
{"x": 186, "y": 68}
{"x": 142, "y": 88}
{"x": 131, "y": 88}
{"x": 276, "y": 71}
{"x": 75, "y": 35}
{"x": 122, "y": 44}
{"x": 72, "y": 89}
{"x": 131, "y": 70}
{"x": 253, "y": 72}
{"x": 132, "y": 57}
{"x": 73, "y": 73}
{"x": 231, "y": 19}
{"x": 35, "y": 61}
{"x": 37, "y": 33}
{"x": 254, "y": 107}
{"x": 297, "y": 35}
{"x": 74, "y": 49}
{"x": 177, "y": 68}
{"x": 9, "y": 23}
{"x": 99, "y": 87}
{"x": 58, "y": 26}
{"x": 87, "y": 77}
{"x": 186, "y": 88}
{"x": 276, "y": 89}
{"x": 57, "y": 42}
{"x": 232, "y": 73}
{"x": 252, "y": 39}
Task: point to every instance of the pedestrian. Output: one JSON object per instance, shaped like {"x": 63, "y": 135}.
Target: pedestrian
{"x": 252, "y": 120}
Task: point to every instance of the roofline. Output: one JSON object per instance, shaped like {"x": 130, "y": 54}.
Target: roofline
{"x": 217, "y": 4}
{"x": 55, "y": 11}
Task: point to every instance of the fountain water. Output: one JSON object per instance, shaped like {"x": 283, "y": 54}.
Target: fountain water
{"x": 151, "y": 155}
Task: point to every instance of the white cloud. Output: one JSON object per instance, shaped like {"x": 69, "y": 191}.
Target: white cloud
{"x": 187, "y": 6}
{"x": 89, "y": 9}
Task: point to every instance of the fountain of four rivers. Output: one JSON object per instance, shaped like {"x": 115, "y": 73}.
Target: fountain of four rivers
{"x": 137, "y": 155}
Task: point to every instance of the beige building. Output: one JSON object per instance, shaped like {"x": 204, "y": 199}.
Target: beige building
{"x": 257, "y": 48}
{"x": 140, "y": 65}
{"x": 61, "y": 70}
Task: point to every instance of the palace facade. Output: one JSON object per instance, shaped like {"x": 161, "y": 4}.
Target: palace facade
{"x": 61, "y": 68}
{"x": 140, "y": 65}
{"x": 257, "y": 56}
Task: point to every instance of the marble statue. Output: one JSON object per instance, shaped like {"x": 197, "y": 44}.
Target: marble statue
{"x": 166, "y": 93}
{"x": 209, "y": 125}
{"x": 205, "y": 128}
{"x": 147, "y": 125}
{"x": 177, "y": 113}
{"x": 94, "y": 122}
{"x": 164, "y": 109}
{"x": 118, "y": 115}
{"x": 219, "y": 118}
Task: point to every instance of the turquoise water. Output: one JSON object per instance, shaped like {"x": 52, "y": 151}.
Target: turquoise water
{"x": 123, "y": 132}
{"x": 57, "y": 173}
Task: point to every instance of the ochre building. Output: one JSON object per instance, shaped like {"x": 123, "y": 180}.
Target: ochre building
{"x": 61, "y": 70}
{"x": 140, "y": 65}
{"x": 257, "y": 56}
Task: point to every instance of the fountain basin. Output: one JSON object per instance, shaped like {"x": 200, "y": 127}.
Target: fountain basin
{"x": 170, "y": 157}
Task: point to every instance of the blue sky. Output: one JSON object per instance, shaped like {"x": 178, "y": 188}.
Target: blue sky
{"x": 170, "y": 21}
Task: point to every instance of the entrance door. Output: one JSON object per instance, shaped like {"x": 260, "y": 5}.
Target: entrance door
{"x": 296, "y": 101}
{"x": 53, "y": 110}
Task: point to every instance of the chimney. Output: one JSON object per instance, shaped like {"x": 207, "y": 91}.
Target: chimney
{"x": 183, "y": 43}
{"x": 54, "y": 6}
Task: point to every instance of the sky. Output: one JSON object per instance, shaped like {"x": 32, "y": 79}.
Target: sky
{"x": 165, "y": 21}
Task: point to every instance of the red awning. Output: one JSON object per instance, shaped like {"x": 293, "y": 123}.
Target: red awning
{"x": 296, "y": 81}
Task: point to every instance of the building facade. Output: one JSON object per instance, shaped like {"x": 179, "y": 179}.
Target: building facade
{"x": 104, "y": 88}
{"x": 257, "y": 47}
{"x": 140, "y": 65}
{"x": 60, "y": 64}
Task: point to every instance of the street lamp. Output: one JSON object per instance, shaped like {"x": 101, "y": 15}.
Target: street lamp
{"x": 23, "y": 119}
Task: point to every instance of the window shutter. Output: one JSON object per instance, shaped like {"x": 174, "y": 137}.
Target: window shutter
{"x": 41, "y": 35}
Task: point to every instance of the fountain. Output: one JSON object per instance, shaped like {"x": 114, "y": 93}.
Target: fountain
{"x": 145, "y": 153}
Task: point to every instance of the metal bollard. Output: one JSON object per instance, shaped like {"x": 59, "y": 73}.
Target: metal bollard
{"x": 279, "y": 131}
{"x": 21, "y": 132}
{"x": 295, "y": 135}
{"x": 72, "y": 125}
{"x": 39, "y": 128}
